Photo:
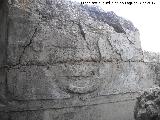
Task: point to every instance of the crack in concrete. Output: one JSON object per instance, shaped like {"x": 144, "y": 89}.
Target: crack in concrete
{"x": 66, "y": 62}
{"x": 27, "y": 45}
{"x": 83, "y": 34}
{"x": 129, "y": 40}
{"x": 7, "y": 66}
{"x": 11, "y": 109}
{"x": 84, "y": 37}
{"x": 99, "y": 52}
{"x": 81, "y": 30}
{"x": 66, "y": 107}
{"x": 115, "y": 49}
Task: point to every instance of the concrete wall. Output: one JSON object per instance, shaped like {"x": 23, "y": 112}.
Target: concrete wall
{"x": 72, "y": 62}
{"x": 3, "y": 46}
{"x": 3, "y": 57}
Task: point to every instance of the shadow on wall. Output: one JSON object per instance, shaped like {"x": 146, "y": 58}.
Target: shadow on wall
{"x": 3, "y": 48}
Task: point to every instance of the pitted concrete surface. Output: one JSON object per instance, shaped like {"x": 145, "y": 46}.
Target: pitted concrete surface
{"x": 66, "y": 61}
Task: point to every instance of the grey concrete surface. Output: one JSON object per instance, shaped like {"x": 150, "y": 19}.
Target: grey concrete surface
{"x": 66, "y": 61}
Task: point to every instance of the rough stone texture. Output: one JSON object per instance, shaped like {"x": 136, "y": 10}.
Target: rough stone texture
{"x": 60, "y": 81}
{"x": 68, "y": 61}
{"x": 151, "y": 57}
{"x": 56, "y": 35}
{"x": 154, "y": 59}
{"x": 148, "y": 105}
